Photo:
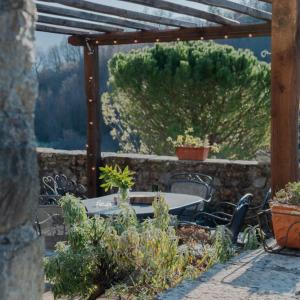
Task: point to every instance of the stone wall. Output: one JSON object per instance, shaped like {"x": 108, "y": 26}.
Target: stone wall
{"x": 231, "y": 178}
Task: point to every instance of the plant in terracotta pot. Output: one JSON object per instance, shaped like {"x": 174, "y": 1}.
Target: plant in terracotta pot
{"x": 189, "y": 147}
{"x": 115, "y": 177}
{"x": 285, "y": 209}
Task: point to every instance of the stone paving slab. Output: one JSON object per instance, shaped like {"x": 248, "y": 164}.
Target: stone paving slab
{"x": 250, "y": 276}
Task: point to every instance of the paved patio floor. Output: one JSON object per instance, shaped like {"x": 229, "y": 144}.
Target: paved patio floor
{"x": 250, "y": 276}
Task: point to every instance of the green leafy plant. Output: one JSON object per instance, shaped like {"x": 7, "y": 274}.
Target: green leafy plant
{"x": 121, "y": 255}
{"x": 118, "y": 178}
{"x": 289, "y": 195}
{"x": 158, "y": 92}
{"x": 252, "y": 236}
{"x": 222, "y": 249}
{"x": 188, "y": 140}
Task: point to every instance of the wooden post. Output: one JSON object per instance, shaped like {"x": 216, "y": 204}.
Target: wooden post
{"x": 285, "y": 92}
{"x": 93, "y": 147}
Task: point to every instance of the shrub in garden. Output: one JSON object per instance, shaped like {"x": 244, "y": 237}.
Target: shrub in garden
{"x": 122, "y": 256}
{"x": 158, "y": 92}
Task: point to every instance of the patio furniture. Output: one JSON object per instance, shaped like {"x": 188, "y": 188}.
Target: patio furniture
{"x": 53, "y": 188}
{"x": 105, "y": 206}
{"x": 233, "y": 222}
{"x": 270, "y": 245}
{"x": 192, "y": 184}
{"x": 49, "y": 221}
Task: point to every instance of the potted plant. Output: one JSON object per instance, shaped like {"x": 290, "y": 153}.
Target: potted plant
{"x": 115, "y": 177}
{"x": 189, "y": 147}
{"x": 285, "y": 209}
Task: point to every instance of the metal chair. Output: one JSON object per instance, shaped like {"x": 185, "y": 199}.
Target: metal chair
{"x": 233, "y": 222}
{"x": 53, "y": 188}
{"x": 270, "y": 245}
{"x": 191, "y": 184}
{"x": 49, "y": 221}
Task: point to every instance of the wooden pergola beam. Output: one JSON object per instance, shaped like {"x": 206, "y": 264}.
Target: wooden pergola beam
{"x": 186, "y": 10}
{"x": 72, "y": 13}
{"x": 61, "y": 30}
{"x": 239, "y": 8}
{"x": 124, "y": 13}
{"x": 285, "y": 92}
{"x": 184, "y": 34}
{"x": 77, "y": 24}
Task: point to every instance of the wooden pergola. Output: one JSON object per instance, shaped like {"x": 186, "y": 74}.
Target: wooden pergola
{"x": 92, "y": 24}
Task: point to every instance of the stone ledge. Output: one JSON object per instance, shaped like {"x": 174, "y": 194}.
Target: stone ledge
{"x": 147, "y": 157}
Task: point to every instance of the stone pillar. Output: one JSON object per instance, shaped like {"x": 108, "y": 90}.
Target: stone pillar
{"x": 21, "y": 251}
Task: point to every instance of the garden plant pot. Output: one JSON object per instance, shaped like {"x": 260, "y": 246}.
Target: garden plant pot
{"x": 192, "y": 153}
{"x": 286, "y": 225}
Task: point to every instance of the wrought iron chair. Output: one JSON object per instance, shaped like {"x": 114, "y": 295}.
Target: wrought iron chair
{"x": 270, "y": 245}
{"x": 53, "y": 188}
{"x": 233, "y": 222}
{"x": 49, "y": 220}
{"x": 192, "y": 184}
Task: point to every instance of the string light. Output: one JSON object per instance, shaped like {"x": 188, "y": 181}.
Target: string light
{"x": 91, "y": 78}
{"x": 202, "y": 38}
{"x": 178, "y": 39}
{"x": 90, "y": 100}
{"x": 93, "y": 168}
{"x": 226, "y": 36}
{"x": 157, "y": 40}
{"x": 91, "y": 123}
{"x": 250, "y": 35}
{"x": 97, "y": 42}
{"x": 115, "y": 42}
{"x": 135, "y": 41}
{"x": 86, "y": 145}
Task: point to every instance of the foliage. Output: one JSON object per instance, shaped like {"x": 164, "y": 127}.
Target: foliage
{"x": 222, "y": 249}
{"x": 289, "y": 195}
{"x": 158, "y": 92}
{"x": 121, "y": 254}
{"x": 251, "y": 237}
{"x": 115, "y": 177}
{"x": 188, "y": 140}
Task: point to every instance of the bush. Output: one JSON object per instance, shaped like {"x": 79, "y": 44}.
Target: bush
{"x": 158, "y": 92}
{"x": 120, "y": 254}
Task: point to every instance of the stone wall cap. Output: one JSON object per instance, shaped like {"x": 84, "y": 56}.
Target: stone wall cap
{"x": 149, "y": 157}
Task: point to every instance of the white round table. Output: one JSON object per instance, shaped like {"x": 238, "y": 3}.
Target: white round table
{"x": 105, "y": 206}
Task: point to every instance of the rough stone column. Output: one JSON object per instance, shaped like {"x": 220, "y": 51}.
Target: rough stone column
{"x": 21, "y": 275}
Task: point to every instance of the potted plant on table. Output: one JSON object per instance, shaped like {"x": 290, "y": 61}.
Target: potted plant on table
{"x": 285, "y": 209}
{"x": 189, "y": 147}
{"x": 115, "y": 177}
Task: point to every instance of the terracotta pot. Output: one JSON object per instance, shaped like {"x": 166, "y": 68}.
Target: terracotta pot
{"x": 192, "y": 153}
{"x": 286, "y": 225}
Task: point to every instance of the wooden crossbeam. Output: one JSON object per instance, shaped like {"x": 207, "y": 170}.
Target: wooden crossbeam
{"x": 184, "y": 34}
{"x": 61, "y": 30}
{"x": 60, "y": 11}
{"x": 124, "y": 13}
{"x": 185, "y": 10}
{"x": 77, "y": 24}
{"x": 237, "y": 7}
